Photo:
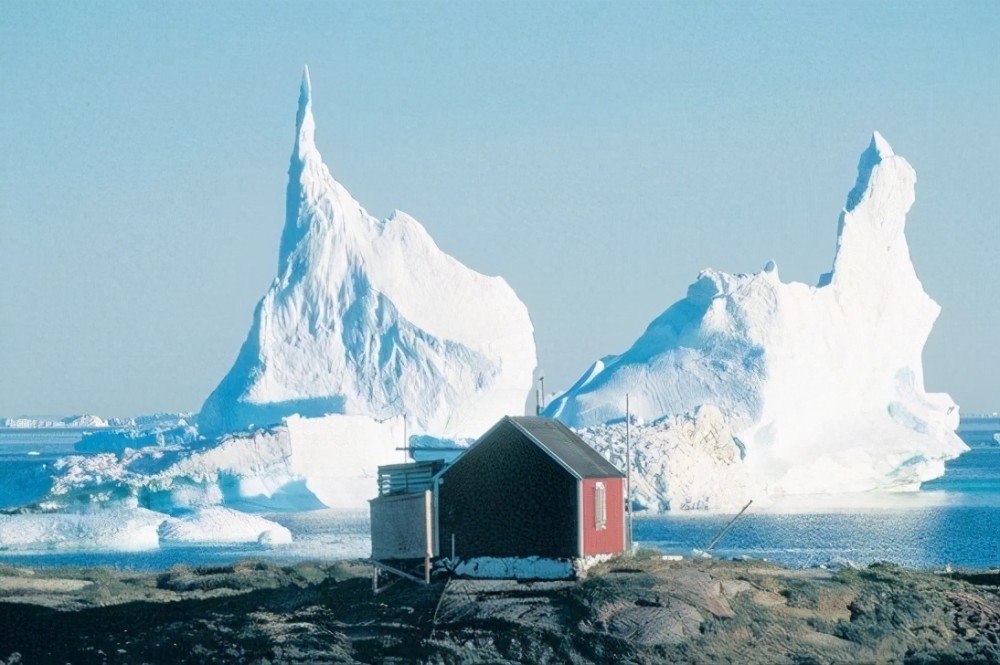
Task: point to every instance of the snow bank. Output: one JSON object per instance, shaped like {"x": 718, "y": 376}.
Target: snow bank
{"x": 822, "y": 384}
{"x": 369, "y": 317}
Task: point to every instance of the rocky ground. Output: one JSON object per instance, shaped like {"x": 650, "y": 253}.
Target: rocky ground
{"x": 641, "y": 610}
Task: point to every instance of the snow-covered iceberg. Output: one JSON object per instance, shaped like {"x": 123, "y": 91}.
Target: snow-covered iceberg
{"x": 822, "y": 386}
{"x": 301, "y": 464}
{"x": 206, "y": 491}
{"x": 369, "y": 317}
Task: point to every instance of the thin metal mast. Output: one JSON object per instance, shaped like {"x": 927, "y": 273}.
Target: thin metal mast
{"x": 628, "y": 470}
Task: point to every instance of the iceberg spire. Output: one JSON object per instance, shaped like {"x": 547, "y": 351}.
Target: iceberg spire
{"x": 877, "y": 150}
{"x": 303, "y": 152}
{"x": 305, "y": 126}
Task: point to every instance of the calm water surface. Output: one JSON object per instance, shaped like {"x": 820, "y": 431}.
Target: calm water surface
{"x": 954, "y": 520}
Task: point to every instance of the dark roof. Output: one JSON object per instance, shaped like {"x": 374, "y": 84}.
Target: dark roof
{"x": 566, "y": 447}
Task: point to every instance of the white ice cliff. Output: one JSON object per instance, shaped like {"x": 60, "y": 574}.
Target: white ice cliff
{"x": 201, "y": 491}
{"x": 301, "y": 464}
{"x": 369, "y": 317}
{"x": 822, "y": 385}
{"x": 690, "y": 462}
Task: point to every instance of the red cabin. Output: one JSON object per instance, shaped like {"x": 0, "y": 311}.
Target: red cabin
{"x": 529, "y": 487}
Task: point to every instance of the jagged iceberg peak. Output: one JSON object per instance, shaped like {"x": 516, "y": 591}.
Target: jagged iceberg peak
{"x": 870, "y": 236}
{"x": 305, "y": 125}
{"x": 877, "y": 150}
{"x": 370, "y": 317}
{"x": 306, "y": 166}
{"x": 824, "y": 385}
{"x": 303, "y": 117}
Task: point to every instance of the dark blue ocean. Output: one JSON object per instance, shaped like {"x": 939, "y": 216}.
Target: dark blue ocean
{"x": 954, "y": 521}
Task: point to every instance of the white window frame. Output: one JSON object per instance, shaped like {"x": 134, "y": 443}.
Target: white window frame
{"x": 600, "y": 507}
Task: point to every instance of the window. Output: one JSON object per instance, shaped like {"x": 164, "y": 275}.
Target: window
{"x": 600, "y": 508}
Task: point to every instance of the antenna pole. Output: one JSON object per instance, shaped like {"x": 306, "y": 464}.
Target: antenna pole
{"x": 406, "y": 442}
{"x": 541, "y": 381}
{"x": 628, "y": 470}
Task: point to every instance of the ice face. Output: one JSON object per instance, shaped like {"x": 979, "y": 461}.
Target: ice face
{"x": 302, "y": 464}
{"x": 369, "y": 317}
{"x": 822, "y": 385}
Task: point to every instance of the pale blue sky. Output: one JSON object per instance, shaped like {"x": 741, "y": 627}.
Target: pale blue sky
{"x": 597, "y": 155}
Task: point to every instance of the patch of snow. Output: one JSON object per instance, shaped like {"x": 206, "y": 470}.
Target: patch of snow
{"x": 582, "y": 565}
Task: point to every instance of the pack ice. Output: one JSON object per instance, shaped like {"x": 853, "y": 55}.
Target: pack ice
{"x": 821, "y": 386}
{"x": 368, "y": 317}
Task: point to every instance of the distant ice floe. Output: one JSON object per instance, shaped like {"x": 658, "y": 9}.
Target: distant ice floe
{"x": 222, "y": 525}
{"x": 121, "y": 528}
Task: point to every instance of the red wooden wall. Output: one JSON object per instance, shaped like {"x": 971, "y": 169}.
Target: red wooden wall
{"x": 610, "y": 540}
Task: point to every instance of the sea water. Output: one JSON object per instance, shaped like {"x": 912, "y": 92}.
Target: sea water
{"x": 953, "y": 521}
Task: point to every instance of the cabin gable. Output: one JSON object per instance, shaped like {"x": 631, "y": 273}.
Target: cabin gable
{"x": 507, "y": 497}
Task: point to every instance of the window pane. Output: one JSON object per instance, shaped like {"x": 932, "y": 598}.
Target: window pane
{"x": 600, "y": 507}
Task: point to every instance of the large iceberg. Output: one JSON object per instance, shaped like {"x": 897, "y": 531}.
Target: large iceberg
{"x": 822, "y": 386}
{"x": 369, "y": 317}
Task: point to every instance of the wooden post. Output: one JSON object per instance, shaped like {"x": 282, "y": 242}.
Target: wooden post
{"x": 715, "y": 541}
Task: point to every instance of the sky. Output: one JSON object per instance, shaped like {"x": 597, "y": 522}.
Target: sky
{"x": 596, "y": 155}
